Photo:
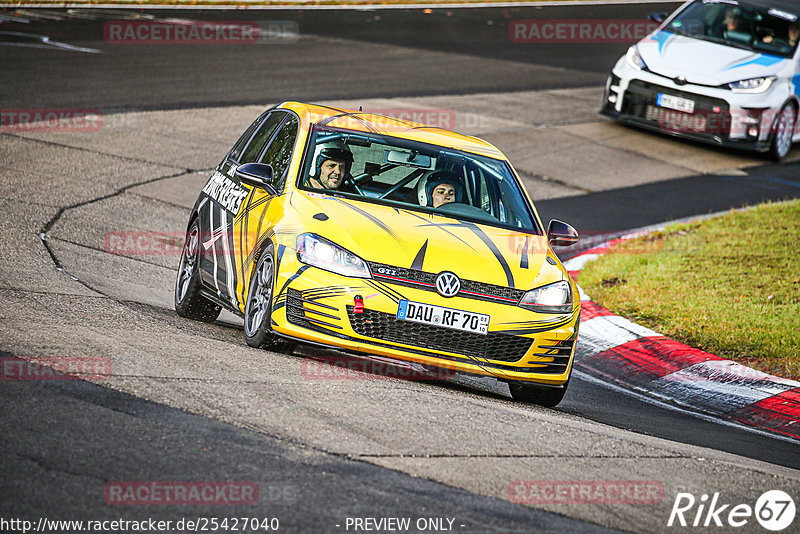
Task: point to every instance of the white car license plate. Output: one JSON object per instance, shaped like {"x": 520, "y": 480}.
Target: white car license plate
{"x": 417, "y": 312}
{"x": 675, "y": 102}
{"x": 676, "y": 120}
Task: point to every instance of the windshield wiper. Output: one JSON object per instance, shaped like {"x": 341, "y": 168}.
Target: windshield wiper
{"x": 710, "y": 38}
{"x": 771, "y": 51}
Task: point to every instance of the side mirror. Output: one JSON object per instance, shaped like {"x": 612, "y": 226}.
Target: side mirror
{"x": 658, "y": 17}
{"x": 560, "y": 234}
{"x": 257, "y": 175}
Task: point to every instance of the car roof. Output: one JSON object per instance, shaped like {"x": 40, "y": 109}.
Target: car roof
{"x": 362, "y": 121}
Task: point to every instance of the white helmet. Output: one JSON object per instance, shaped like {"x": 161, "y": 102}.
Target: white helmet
{"x": 426, "y": 185}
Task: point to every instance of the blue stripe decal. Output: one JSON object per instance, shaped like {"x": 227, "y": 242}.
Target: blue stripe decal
{"x": 762, "y": 59}
{"x": 661, "y": 38}
{"x": 796, "y": 83}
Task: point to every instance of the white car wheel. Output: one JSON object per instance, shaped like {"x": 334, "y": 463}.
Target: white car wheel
{"x": 784, "y": 129}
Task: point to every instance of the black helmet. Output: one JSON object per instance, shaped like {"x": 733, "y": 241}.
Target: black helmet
{"x": 335, "y": 150}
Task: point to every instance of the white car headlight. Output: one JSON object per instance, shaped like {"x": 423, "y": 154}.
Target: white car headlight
{"x": 319, "y": 252}
{"x": 753, "y": 85}
{"x": 634, "y": 59}
{"x": 552, "y": 298}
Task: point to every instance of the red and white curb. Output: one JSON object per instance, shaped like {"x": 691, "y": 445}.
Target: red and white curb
{"x": 625, "y": 354}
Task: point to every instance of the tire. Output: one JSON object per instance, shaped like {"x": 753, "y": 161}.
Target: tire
{"x": 188, "y": 301}
{"x": 547, "y": 397}
{"x": 258, "y": 309}
{"x": 783, "y": 128}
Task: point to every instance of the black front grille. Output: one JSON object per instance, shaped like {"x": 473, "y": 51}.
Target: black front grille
{"x": 711, "y": 116}
{"x": 386, "y": 327}
{"x": 427, "y": 281}
{"x": 555, "y": 353}
{"x": 315, "y": 315}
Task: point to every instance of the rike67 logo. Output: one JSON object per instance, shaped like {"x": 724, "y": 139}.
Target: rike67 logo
{"x": 774, "y": 510}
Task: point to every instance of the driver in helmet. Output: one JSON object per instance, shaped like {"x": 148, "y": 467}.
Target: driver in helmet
{"x": 439, "y": 188}
{"x": 332, "y": 163}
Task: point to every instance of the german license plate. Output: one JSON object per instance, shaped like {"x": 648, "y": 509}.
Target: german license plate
{"x": 418, "y": 312}
{"x": 675, "y": 102}
{"x": 676, "y": 120}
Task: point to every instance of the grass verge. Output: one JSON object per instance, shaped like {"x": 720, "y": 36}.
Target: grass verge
{"x": 729, "y": 285}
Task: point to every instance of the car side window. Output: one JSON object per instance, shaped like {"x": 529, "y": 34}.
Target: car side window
{"x": 236, "y": 151}
{"x": 261, "y": 137}
{"x": 279, "y": 152}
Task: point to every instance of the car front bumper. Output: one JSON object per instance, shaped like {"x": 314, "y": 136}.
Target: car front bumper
{"x": 318, "y": 307}
{"x": 720, "y": 116}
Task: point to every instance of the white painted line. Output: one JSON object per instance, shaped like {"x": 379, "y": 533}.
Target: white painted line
{"x": 717, "y": 387}
{"x": 608, "y": 331}
{"x": 730, "y": 370}
{"x": 8, "y": 18}
{"x": 43, "y": 41}
{"x": 42, "y": 14}
{"x": 655, "y": 402}
{"x": 577, "y": 263}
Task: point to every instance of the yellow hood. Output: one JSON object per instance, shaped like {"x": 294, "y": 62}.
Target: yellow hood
{"x": 428, "y": 242}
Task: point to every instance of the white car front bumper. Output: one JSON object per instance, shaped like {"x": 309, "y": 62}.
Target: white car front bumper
{"x": 719, "y": 116}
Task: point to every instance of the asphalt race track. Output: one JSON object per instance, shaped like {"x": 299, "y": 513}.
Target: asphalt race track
{"x": 191, "y": 402}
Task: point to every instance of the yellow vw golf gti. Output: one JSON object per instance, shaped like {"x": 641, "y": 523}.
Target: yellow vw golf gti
{"x": 379, "y": 236}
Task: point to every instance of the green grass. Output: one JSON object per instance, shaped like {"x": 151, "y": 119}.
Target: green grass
{"x": 729, "y": 285}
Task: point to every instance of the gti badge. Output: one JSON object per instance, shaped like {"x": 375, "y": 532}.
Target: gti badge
{"x": 448, "y": 284}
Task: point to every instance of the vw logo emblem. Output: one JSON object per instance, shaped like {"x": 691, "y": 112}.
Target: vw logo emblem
{"x": 681, "y": 80}
{"x": 448, "y": 284}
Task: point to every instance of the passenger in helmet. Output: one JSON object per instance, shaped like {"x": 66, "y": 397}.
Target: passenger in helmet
{"x": 794, "y": 34}
{"x": 736, "y": 26}
{"x": 439, "y": 188}
{"x": 332, "y": 162}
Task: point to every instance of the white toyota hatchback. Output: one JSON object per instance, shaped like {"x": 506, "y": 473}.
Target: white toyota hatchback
{"x": 725, "y": 72}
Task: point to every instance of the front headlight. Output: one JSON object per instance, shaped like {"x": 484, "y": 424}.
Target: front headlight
{"x": 319, "y": 252}
{"x": 753, "y": 85}
{"x": 634, "y": 59}
{"x": 552, "y": 298}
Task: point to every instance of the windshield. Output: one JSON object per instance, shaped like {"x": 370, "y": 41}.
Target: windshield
{"x": 769, "y": 30}
{"x": 421, "y": 177}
